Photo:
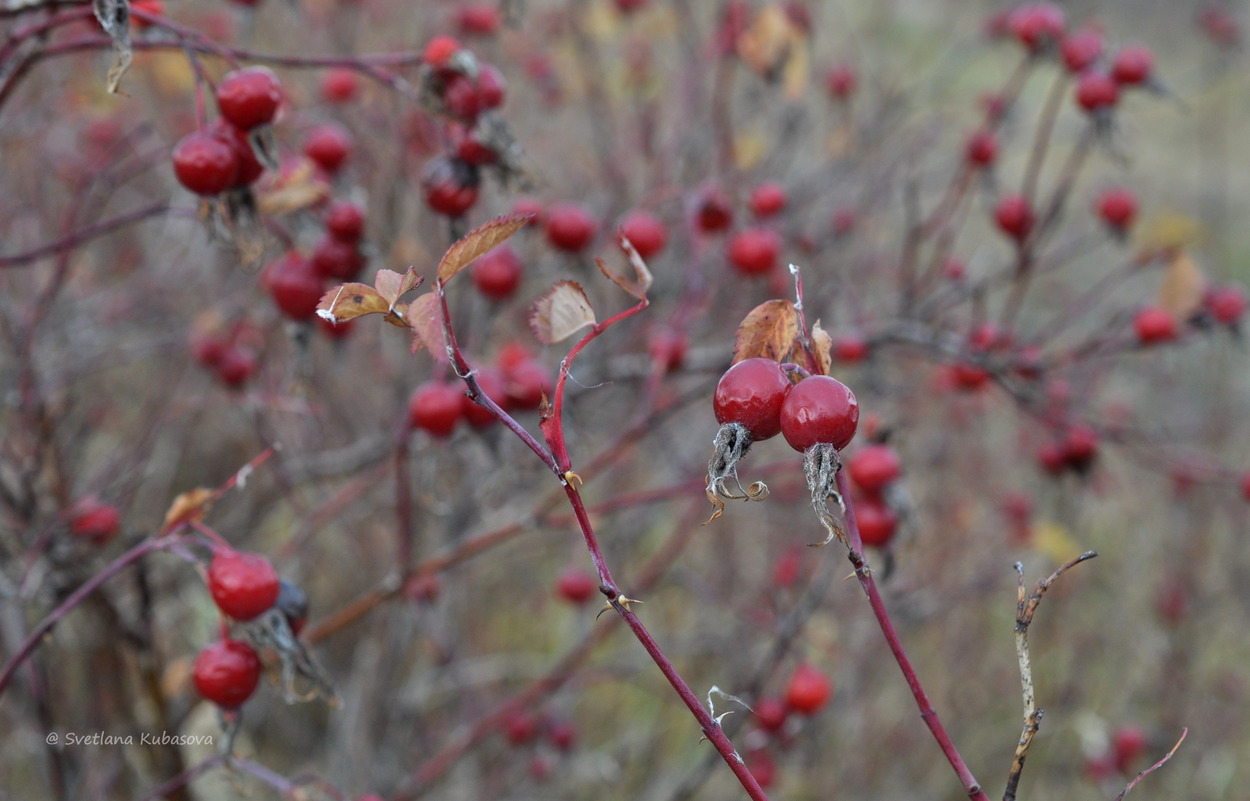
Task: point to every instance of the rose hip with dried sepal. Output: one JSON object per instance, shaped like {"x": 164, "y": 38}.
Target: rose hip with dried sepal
{"x": 227, "y": 673}
{"x": 747, "y": 404}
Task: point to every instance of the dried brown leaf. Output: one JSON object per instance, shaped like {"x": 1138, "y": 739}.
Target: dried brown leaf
{"x": 769, "y": 42}
{"x": 822, "y": 348}
{"x": 1182, "y": 286}
{"x": 560, "y": 312}
{"x": 190, "y": 505}
{"x": 349, "y": 301}
{"x": 391, "y": 285}
{"x": 425, "y": 318}
{"x": 297, "y": 190}
{"x": 770, "y": 330}
{"x": 486, "y": 237}
{"x": 642, "y": 274}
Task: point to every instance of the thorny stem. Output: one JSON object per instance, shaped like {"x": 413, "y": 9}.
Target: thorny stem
{"x": 1025, "y": 607}
{"x": 927, "y": 711}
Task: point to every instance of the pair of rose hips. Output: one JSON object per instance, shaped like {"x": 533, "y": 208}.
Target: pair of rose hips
{"x": 758, "y": 394}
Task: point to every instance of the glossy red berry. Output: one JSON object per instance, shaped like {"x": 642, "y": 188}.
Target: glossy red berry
{"x": 329, "y": 146}
{"x": 94, "y": 521}
{"x": 1014, "y": 217}
{"x": 752, "y": 393}
{"x": 1132, "y": 66}
{"x": 345, "y": 220}
{"x": 645, "y": 231}
{"x": 1117, "y": 208}
{"x": 819, "y": 409}
{"x": 768, "y": 200}
{"x": 451, "y": 186}
{"x": 205, "y": 164}
{"x": 497, "y": 274}
{"x": 877, "y": 522}
{"x": 754, "y": 251}
{"x": 569, "y": 227}
{"x": 808, "y": 690}
{"x": 1153, "y": 325}
{"x": 841, "y": 81}
{"x": 1226, "y": 304}
{"x": 227, "y": 673}
{"x": 250, "y": 167}
{"x": 243, "y": 585}
{"x": 294, "y": 285}
{"x": 874, "y": 466}
{"x": 495, "y": 386}
{"x": 1036, "y": 25}
{"x": 576, "y": 586}
{"x": 981, "y": 149}
{"x": 436, "y": 407}
{"x": 339, "y": 85}
{"x": 249, "y": 97}
{"x": 1080, "y": 50}
{"x": 713, "y": 211}
{"x": 1096, "y": 91}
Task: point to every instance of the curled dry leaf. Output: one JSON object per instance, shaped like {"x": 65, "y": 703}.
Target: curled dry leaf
{"x": 294, "y": 191}
{"x": 114, "y": 18}
{"x": 560, "y": 312}
{"x": 426, "y": 321}
{"x": 190, "y": 505}
{"x": 486, "y": 237}
{"x": 822, "y": 348}
{"x": 1182, "y": 286}
{"x": 770, "y": 330}
{"x": 642, "y": 274}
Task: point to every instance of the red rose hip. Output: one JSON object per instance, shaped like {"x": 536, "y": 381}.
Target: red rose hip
{"x": 751, "y": 393}
{"x": 227, "y": 673}
{"x": 243, "y": 585}
{"x": 819, "y": 409}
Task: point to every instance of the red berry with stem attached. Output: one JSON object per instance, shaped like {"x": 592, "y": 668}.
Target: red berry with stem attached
{"x": 877, "y": 522}
{"x": 841, "y": 81}
{"x": 874, "y": 466}
{"x": 451, "y": 186}
{"x": 243, "y": 585}
{"x": 227, "y": 673}
{"x": 1153, "y": 325}
{"x": 645, "y": 231}
{"x": 1096, "y": 91}
{"x": 576, "y": 586}
{"x": 205, "y": 164}
{"x": 1036, "y": 25}
{"x": 981, "y": 149}
{"x": 435, "y": 407}
{"x": 1226, "y": 304}
{"x": 497, "y": 274}
{"x": 1014, "y": 217}
{"x": 339, "y": 85}
{"x": 819, "y": 409}
{"x": 329, "y": 146}
{"x": 495, "y": 387}
{"x": 1080, "y": 50}
{"x": 294, "y": 285}
{"x": 249, "y": 97}
{"x": 808, "y": 690}
{"x": 752, "y": 393}
{"x": 345, "y": 220}
{"x": 95, "y": 521}
{"x": 1132, "y": 66}
{"x": 1117, "y": 208}
{"x": 754, "y": 251}
{"x": 569, "y": 227}
{"x": 768, "y": 200}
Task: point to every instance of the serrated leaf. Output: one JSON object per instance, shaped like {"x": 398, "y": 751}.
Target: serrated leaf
{"x": 391, "y": 285}
{"x": 822, "y": 348}
{"x": 770, "y": 330}
{"x": 426, "y": 321}
{"x": 561, "y": 312}
{"x": 349, "y": 301}
{"x": 481, "y": 240}
{"x": 642, "y": 274}
{"x": 1182, "y": 286}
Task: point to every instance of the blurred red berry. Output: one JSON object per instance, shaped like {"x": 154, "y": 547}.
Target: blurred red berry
{"x": 841, "y": 81}
{"x": 95, "y": 521}
{"x": 1117, "y": 208}
{"x": 435, "y": 407}
{"x": 1226, "y": 304}
{"x": 1014, "y": 217}
{"x": 754, "y": 251}
{"x": 294, "y": 284}
{"x": 329, "y": 146}
{"x": 1153, "y": 325}
{"x": 768, "y": 200}
{"x": 872, "y": 467}
{"x": 981, "y": 148}
{"x": 339, "y": 85}
{"x": 498, "y": 273}
{"x": 249, "y": 97}
{"x": 1036, "y": 25}
{"x": 647, "y": 232}
{"x": 808, "y": 690}
{"x": 1132, "y": 66}
{"x": 576, "y": 586}
{"x": 569, "y": 227}
{"x": 1096, "y": 91}
{"x": 1080, "y": 50}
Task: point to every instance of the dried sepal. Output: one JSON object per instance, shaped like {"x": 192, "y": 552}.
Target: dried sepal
{"x": 482, "y": 239}
{"x": 731, "y": 444}
{"x": 302, "y": 678}
{"x": 822, "y": 349}
{"x": 770, "y": 330}
{"x": 821, "y": 463}
{"x": 642, "y": 274}
{"x": 114, "y": 18}
{"x": 188, "y": 506}
{"x": 561, "y": 312}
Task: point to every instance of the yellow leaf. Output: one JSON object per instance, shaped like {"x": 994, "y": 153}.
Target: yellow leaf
{"x": 1055, "y": 541}
{"x": 1182, "y": 286}
{"x": 1166, "y": 232}
{"x": 190, "y": 505}
{"x": 749, "y": 149}
{"x": 561, "y": 312}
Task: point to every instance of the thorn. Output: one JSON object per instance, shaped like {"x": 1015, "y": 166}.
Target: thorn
{"x": 620, "y": 600}
{"x": 572, "y": 479}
